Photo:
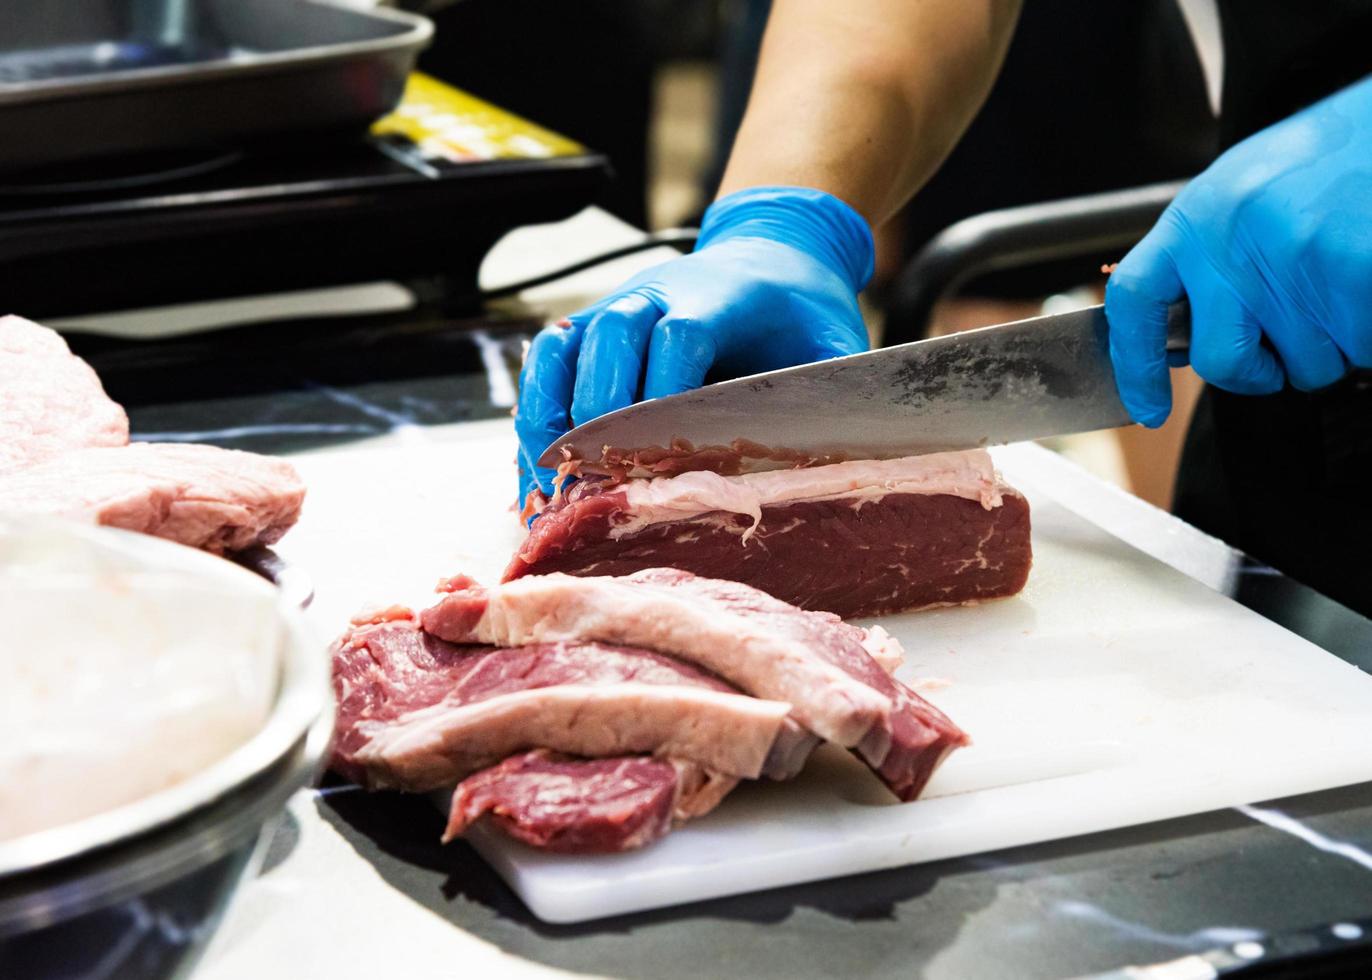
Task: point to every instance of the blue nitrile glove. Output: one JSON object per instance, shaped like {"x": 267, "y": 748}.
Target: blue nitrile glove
{"x": 1272, "y": 244}
{"x": 773, "y": 282}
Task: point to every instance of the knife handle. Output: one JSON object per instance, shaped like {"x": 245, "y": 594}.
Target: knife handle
{"x": 1179, "y": 327}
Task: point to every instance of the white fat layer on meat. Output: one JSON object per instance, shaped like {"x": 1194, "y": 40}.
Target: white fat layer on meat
{"x": 728, "y": 733}
{"x": 970, "y": 475}
{"x": 698, "y": 790}
{"x": 884, "y": 648}
{"x": 740, "y": 647}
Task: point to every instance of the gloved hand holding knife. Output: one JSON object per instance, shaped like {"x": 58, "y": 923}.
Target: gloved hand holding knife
{"x": 773, "y": 282}
{"x": 842, "y": 126}
{"x": 1272, "y": 245}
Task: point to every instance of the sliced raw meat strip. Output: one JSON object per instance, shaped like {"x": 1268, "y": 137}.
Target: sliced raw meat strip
{"x": 585, "y": 806}
{"x": 203, "y": 496}
{"x": 387, "y": 668}
{"x": 748, "y": 644}
{"x": 824, "y": 667}
{"x": 417, "y": 713}
{"x": 50, "y": 400}
{"x": 730, "y": 733}
{"x": 861, "y": 538}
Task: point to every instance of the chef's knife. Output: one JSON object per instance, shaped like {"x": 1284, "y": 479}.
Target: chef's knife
{"x": 1046, "y": 376}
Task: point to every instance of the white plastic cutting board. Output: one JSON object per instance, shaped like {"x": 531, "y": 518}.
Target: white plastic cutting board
{"x": 1114, "y": 691}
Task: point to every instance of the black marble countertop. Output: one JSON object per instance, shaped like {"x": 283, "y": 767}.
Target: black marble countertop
{"x": 1068, "y": 908}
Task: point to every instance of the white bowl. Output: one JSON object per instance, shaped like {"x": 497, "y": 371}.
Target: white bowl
{"x": 56, "y": 883}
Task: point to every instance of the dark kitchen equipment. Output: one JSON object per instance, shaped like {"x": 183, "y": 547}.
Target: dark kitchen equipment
{"x": 155, "y": 230}
{"x": 96, "y": 78}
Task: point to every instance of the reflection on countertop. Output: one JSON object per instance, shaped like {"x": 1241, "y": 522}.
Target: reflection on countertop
{"x": 287, "y": 386}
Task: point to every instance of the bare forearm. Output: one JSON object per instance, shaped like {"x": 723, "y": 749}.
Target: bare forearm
{"x": 865, "y": 98}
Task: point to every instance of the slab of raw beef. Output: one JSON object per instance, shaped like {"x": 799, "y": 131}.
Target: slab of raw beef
{"x": 203, "y": 496}
{"x": 417, "y": 713}
{"x": 50, "y": 399}
{"x": 860, "y": 538}
{"x": 585, "y": 806}
{"x": 825, "y": 668}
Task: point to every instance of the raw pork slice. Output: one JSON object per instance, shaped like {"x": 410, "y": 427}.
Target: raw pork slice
{"x": 417, "y": 713}
{"x": 50, "y": 400}
{"x": 203, "y": 496}
{"x": 585, "y": 806}
{"x": 861, "y": 538}
{"x": 824, "y": 667}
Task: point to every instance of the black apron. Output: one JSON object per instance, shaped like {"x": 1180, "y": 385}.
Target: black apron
{"x": 1287, "y": 478}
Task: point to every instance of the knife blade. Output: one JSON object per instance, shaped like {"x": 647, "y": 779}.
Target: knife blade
{"x": 1045, "y": 376}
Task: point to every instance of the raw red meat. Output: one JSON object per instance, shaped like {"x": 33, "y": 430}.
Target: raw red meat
{"x": 64, "y": 451}
{"x": 50, "y": 400}
{"x": 585, "y": 806}
{"x": 203, "y": 496}
{"x": 825, "y": 668}
{"x": 417, "y": 713}
{"x": 860, "y": 538}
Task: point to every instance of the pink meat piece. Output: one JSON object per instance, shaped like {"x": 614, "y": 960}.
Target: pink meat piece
{"x": 217, "y": 499}
{"x": 51, "y": 402}
{"x": 823, "y": 667}
{"x": 863, "y": 538}
{"x": 417, "y": 713}
{"x": 585, "y": 806}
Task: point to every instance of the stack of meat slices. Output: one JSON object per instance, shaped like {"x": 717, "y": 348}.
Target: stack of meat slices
{"x": 65, "y": 451}
{"x": 593, "y": 714}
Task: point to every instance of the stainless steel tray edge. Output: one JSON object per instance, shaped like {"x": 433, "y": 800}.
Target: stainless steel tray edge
{"x": 337, "y": 68}
{"x": 304, "y": 704}
{"x": 418, "y": 35}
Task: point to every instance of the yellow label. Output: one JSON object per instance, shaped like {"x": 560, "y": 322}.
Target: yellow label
{"x": 448, "y": 124}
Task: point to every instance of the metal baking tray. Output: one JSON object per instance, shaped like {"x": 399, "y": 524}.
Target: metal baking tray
{"x": 302, "y": 707}
{"x": 82, "y": 79}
